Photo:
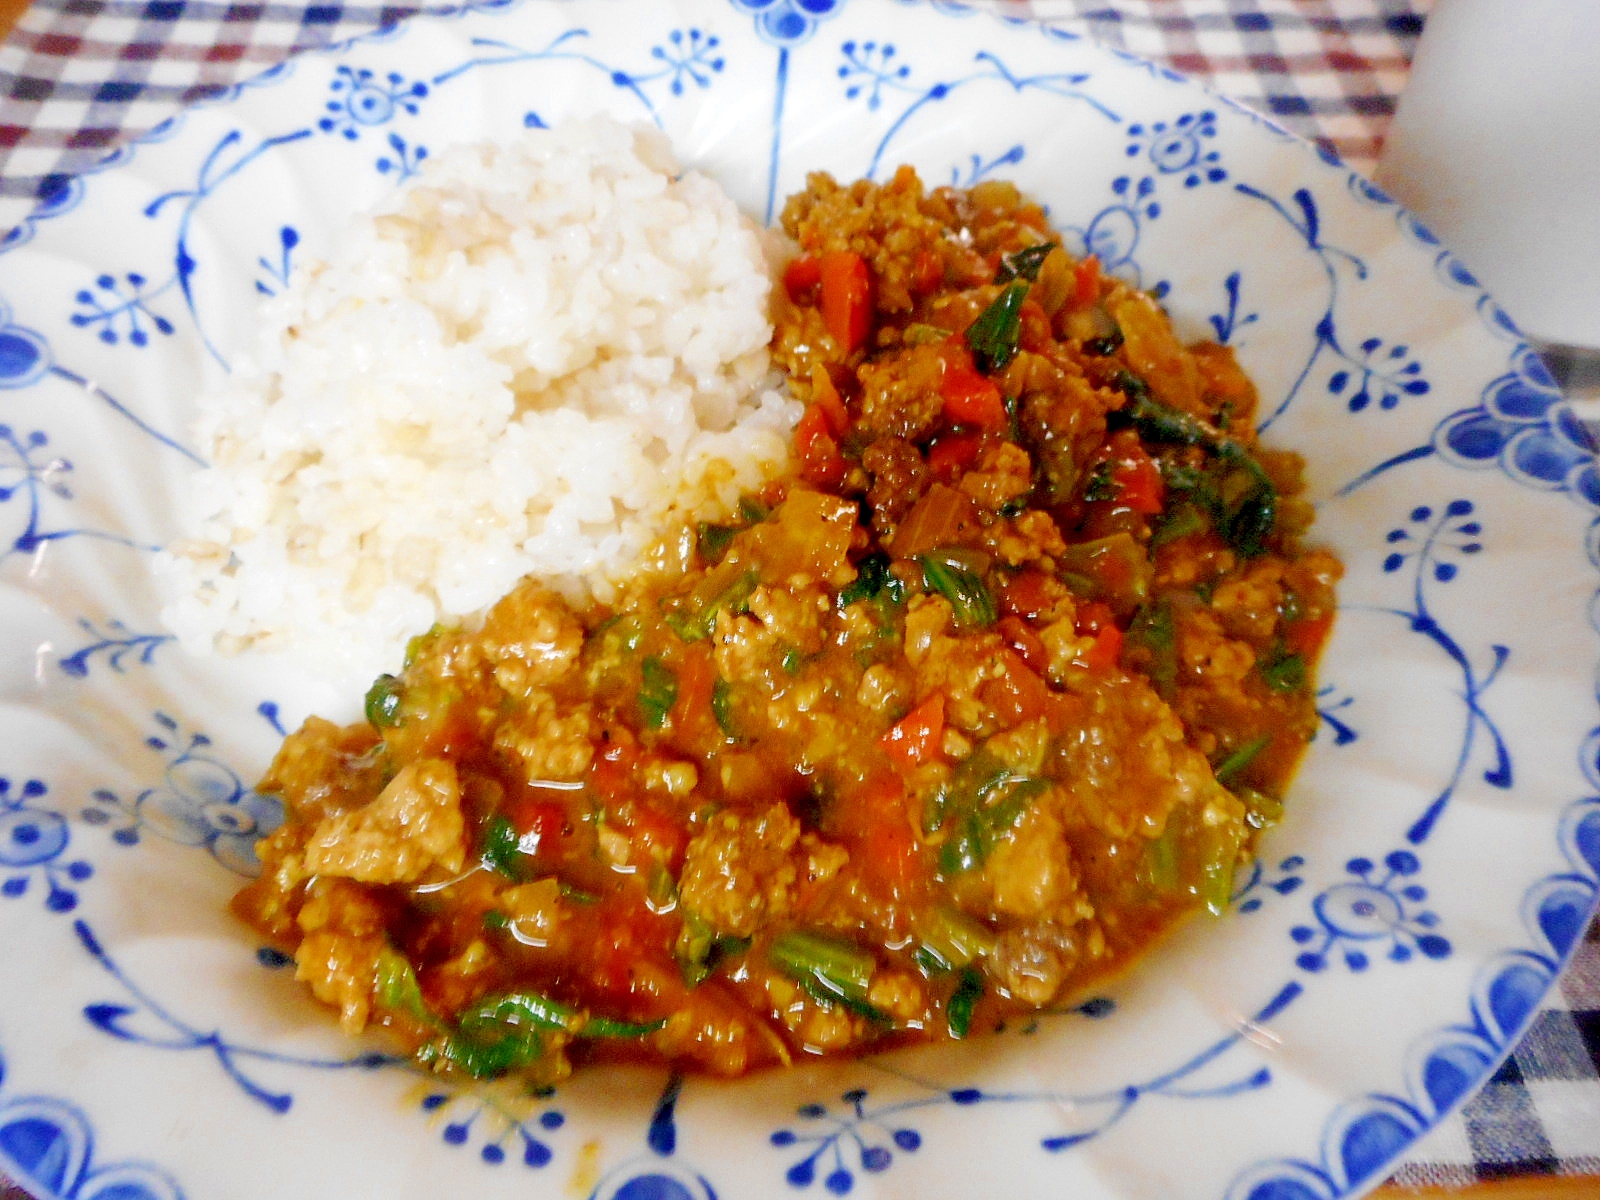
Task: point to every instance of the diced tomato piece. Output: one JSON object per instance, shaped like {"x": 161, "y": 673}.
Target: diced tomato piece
{"x": 846, "y": 298}
{"x": 1305, "y": 638}
{"x": 927, "y": 272}
{"x": 539, "y": 822}
{"x": 1025, "y": 642}
{"x": 1034, "y": 331}
{"x": 891, "y": 856}
{"x": 1028, "y": 594}
{"x": 693, "y": 723}
{"x": 821, "y": 464}
{"x": 1093, "y": 617}
{"x": 826, "y": 397}
{"x": 1017, "y": 694}
{"x": 969, "y": 397}
{"x": 1107, "y": 648}
{"x": 656, "y": 837}
{"x": 1139, "y": 483}
{"x": 1086, "y": 283}
{"x": 611, "y": 774}
{"x": 801, "y": 275}
{"x": 915, "y": 738}
{"x": 952, "y": 454}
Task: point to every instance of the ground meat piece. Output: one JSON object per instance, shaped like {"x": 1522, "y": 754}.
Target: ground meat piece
{"x": 1248, "y": 605}
{"x": 531, "y": 638}
{"x": 1033, "y": 961}
{"x": 341, "y": 969}
{"x": 960, "y": 666}
{"x": 738, "y": 874}
{"x": 547, "y": 740}
{"x": 899, "y": 477}
{"x": 1126, "y": 765}
{"x": 900, "y": 393}
{"x": 884, "y": 223}
{"x": 1028, "y": 873}
{"x": 324, "y": 769}
{"x": 1002, "y": 475}
{"x": 1029, "y": 537}
{"x": 1207, "y": 655}
{"x": 412, "y": 829}
{"x": 792, "y": 617}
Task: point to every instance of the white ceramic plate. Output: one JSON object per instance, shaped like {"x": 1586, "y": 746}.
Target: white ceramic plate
{"x": 1441, "y": 849}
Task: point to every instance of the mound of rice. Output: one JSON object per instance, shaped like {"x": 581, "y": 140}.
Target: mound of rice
{"x": 537, "y": 359}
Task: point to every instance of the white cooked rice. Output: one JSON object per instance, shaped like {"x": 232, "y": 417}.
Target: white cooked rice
{"x": 537, "y": 359}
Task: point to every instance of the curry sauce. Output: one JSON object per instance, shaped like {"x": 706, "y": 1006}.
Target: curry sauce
{"x": 1006, "y": 676}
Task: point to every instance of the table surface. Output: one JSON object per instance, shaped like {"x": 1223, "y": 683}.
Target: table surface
{"x": 80, "y": 77}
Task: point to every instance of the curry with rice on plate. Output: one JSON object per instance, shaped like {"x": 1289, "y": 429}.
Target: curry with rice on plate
{"x": 1002, "y": 678}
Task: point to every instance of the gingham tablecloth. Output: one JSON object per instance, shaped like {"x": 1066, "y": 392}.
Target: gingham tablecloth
{"x": 79, "y": 77}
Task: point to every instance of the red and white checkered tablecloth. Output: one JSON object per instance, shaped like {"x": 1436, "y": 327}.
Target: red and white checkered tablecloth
{"x": 80, "y": 77}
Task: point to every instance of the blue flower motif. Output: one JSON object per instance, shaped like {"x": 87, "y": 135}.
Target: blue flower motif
{"x": 407, "y": 160}
{"x": 786, "y": 23}
{"x": 1390, "y": 375}
{"x": 360, "y": 99}
{"x": 499, "y": 1125}
{"x": 693, "y": 55}
{"x": 24, "y": 354}
{"x": 1283, "y": 880}
{"x": 122, "y": 315}
{"x": 1525, "y": 427}
{"x": 200, "y": 802}
{"x": 1180, "y": 148}
{"x": 31, "y": 841}
{"x": 872, "y": 62}
{"x": 1379, "y": 908}
{"x": 1449, "y": 533}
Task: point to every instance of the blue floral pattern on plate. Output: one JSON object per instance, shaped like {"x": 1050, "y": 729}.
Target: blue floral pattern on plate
{"x": 1376, "y": 932}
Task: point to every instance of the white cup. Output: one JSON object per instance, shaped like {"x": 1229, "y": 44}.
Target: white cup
{"x": 1496, "y": 146}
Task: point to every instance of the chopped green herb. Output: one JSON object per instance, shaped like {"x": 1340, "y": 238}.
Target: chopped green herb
{"x": 418, "y": 644}
{"x": 1100, "y": 485}
{"x": 993, "y": 336}
{"x": 722, "y": 709}
{"x": 1260, "y": 809}
{"x": 658, "y": 692}
{"x": 529, "y": 1010}
{"x": 970, "y": 599}
{"x": 949, "y": 938}
{"x": 577, "y": 895}
{"x": 873, "y": 577}
{"x": 713, "y": 539}
{"x": 792, "y": 661}
{"x": 383, "y": 701}
{"x": 958, "y": 1012}
{"x": 1283, "y": 672}
{"x": 1229, "y": 768}
{"x": 1024, "y": 264}
{"x": 395, "y": 985}
{"x": 984, "y": 825}
{"x": 839, "y": 970}
{"x": 1102, "y": 346}
{"x": 1155, "y": 628}
{"x": 494, "y": 919}
{"x": 918, "y": 334}
{"x": 1161, "y": 859}
{"x": 1181, "y": 520}
{"x": 752, "y": 510}
{"x": 696, "y": 620}
{"x": 502, "y": 848}
{"x": 662, "y": 892}
{"x": 1240, "y": 493}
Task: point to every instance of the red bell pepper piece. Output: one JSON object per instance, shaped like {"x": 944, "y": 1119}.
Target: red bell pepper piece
{"x": 916, "y": 737}
{"x": 846, "y": 298}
